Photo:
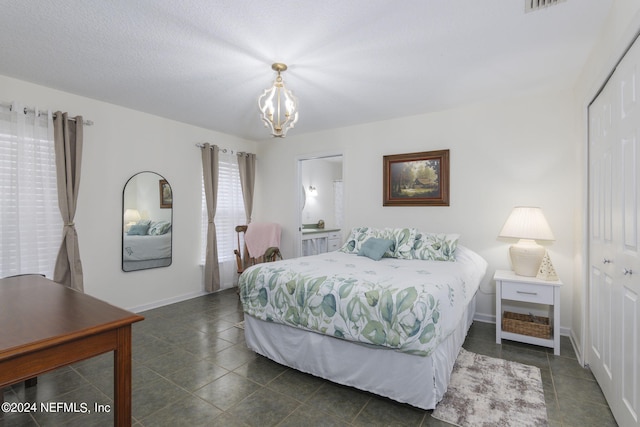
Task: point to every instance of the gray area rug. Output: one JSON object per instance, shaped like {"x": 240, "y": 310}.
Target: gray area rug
{"x": 492, "y": 392}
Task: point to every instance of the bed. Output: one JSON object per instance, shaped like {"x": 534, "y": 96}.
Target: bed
{"x": 391, "y": 324}
{"x": 146, "y": 251}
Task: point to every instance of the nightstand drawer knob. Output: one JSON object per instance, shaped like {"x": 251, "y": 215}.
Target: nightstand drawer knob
{"x": 627, "y": 271}
{"x": 606, "y": 261}
{"x": 527, "y": 293}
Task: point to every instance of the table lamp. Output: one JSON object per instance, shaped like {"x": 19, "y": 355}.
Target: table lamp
{"x": 131, "y": 216}
{"x": 527, "y": 224}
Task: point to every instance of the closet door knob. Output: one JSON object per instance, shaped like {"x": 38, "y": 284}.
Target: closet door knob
{"x": 627, "y": 271}
{"x": 606, "y": 261}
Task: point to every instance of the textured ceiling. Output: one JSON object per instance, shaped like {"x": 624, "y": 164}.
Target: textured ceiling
{"x": 205, "y": 62}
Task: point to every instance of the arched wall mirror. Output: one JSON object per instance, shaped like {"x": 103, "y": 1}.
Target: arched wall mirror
{"x": 147, "y": 220}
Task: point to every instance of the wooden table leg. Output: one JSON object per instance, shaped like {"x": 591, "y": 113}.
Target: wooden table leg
{"x": 122, "y": 378}
{"x": 27, "y": 383}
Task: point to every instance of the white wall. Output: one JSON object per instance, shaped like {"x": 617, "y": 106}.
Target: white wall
{"x": 121, "y": 143}
{"x": 622, "y": 25}
{"x": 504, "y": 153}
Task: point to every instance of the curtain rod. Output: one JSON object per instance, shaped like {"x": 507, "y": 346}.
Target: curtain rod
{"x": 32, "y": 110}
{"x": 225, "y": 150}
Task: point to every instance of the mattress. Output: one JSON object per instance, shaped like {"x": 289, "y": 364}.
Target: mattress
{"x": 147, "y": 247}
{"x": 407, "y": 305}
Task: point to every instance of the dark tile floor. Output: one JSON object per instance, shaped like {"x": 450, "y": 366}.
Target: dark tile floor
{"x": 191, "y": 367}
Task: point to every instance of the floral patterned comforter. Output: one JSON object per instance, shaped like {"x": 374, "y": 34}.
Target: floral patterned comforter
{"x": 408, "y": 305}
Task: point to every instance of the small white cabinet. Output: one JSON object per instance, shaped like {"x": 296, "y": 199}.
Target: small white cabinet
{"x": 317, "y": 242}
{"x": 334, "y": 241}
{"x": 511, "y": 287}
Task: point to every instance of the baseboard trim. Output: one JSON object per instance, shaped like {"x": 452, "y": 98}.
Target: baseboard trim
{"x": 486, "y": 318}
{"x": 162, "y": 303}
{"x": 577, "y": 348}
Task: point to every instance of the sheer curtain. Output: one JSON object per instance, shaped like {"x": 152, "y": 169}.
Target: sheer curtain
{"x": 229, "y": 213}
{"x": 338, "y": 202}
{"x": 30, "y": 222}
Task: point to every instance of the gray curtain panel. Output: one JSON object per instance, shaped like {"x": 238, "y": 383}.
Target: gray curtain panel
{"x": 210, "y": 155}
{"x": 68, "y": 148}
{"x": 247, "y": 168}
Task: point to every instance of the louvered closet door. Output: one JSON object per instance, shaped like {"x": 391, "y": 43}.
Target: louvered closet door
{"x": 614, "y": 288}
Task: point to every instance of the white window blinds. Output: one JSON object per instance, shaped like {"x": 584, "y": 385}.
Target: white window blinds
{"x": 30, "y": 221}
{"x": 229, "y": 213}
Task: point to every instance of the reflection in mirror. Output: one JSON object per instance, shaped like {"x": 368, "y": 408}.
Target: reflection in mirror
{"x": 321, "y": 180}
{"x": 147, "y": 218}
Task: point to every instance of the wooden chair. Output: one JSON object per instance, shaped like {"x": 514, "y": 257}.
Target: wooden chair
{"x": 238, "y": 252}
{"x": 270, "y": 255}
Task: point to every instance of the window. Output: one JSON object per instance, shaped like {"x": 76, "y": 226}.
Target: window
{"x": 229, "y": 213}
{"x": 30, "y": 220}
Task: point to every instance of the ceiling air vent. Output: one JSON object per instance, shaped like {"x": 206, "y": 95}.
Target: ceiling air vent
{"x": 533, "y": 5}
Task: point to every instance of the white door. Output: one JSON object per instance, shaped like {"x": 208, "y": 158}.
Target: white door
{"x": 614, "y": 282}
{"x": 601, "y": 177}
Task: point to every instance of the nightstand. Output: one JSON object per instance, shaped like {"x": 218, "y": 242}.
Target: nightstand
{"x": 511, "y": 287}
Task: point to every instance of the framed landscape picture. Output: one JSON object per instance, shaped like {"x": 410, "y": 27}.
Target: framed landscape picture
{"x": 416, "y": 179}
{"x": 166, "y": 196}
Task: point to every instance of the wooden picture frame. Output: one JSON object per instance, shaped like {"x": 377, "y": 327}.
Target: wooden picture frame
{"x": 416, "y": 179}
{"x": 166, "y": 195}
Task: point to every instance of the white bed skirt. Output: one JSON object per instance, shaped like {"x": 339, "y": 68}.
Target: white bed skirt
{"x": 416, "y": 380}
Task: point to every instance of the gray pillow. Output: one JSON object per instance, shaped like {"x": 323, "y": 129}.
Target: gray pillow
{"x": 138, "y": 230}
{"x": 375, "y": 248}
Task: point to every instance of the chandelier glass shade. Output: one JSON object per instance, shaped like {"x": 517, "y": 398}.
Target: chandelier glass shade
{"x": 278, "y": 106}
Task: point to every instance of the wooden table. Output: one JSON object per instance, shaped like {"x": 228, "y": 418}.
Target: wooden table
{"x": 44, "y": 326}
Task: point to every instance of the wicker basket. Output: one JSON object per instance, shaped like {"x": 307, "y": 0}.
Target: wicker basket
{"x": 524, "y": 324}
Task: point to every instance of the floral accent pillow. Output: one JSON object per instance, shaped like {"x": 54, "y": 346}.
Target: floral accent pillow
{"x": 435, "y": 247}
{"x": 357, "y": 237}
{"x": 160, "y": 227}
{"x": 403, "y": 240}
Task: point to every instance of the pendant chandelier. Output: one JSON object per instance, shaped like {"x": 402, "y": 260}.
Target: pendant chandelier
{"x": 278, "y": 106}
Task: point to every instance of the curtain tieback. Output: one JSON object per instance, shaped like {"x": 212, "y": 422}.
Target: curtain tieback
{"x": 211, "y": 221}
{"x": 70, "y": 224}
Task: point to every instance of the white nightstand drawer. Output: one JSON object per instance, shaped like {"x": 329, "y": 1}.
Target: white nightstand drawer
{"x": 525, "y": 292}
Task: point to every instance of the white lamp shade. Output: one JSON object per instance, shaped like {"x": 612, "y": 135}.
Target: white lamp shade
{"x": 131, "y": 215}
{"x": 527, "y": 222}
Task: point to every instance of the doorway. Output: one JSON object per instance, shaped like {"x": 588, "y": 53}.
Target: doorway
{"x": 321, "y": 196}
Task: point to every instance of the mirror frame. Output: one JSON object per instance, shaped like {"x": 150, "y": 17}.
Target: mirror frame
{"x": 163, "y": 204}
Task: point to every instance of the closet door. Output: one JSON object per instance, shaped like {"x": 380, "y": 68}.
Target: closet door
{"x": 628, "y": 246}
{"x": 601, "y": 288}
{"x": 614, "y": 289}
